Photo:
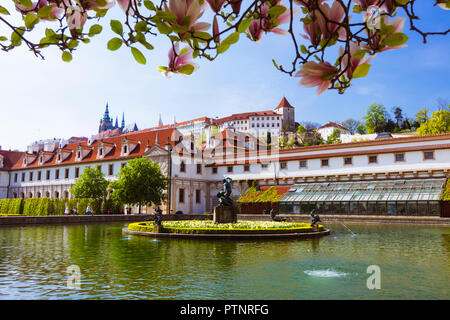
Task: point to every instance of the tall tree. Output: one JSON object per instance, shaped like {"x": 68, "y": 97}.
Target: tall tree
{"x": 398, "y": 116}
{"x": 351, "y": 125}
{"x": 90, "y": 184}
{"x": 141, "y": 182}
{"x": 375, "y": 119}
{"x": 422, "y": 115}
{"x": 334, "y": 137}
{"x": 439, "y": 122}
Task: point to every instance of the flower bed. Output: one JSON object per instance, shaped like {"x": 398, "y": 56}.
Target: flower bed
{"x": 241, "y": 227}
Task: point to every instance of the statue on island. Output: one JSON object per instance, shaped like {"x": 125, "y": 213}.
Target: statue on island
{"x": 226, "y": 211}
{"x": 225, "y": 193}
{"x": 275, "y": 218}
{"x": 314, "y": 218}
{"x": 157, "y": 216}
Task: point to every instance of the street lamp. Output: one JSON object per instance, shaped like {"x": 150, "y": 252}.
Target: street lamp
{"x": 169, "y": 173}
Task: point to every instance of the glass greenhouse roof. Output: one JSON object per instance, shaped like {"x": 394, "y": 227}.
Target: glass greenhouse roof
{"x": 387, "y": 190}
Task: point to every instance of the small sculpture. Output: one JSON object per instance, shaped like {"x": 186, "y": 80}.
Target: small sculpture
{"x": 224, "y": 195}
{"x": 157, "y": 217}
{"x": 314, "y": 218}
{"x": 274, "y": 218}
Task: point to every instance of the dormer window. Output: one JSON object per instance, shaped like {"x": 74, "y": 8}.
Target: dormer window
{"x": 58, "y": 158}
{"x": 125, "y": 149}
{"x": 100, "y": 152}
{"x": 25, "y": 161}
{"x": 41, "y": 159}
{"x": 78, "y": 154}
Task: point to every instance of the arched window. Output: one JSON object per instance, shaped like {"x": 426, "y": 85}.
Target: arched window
{"x": 38, "y": 194}
{"x": 47, "y": 194}
{"x": 66, "y": 194}
{"x": 182, "y": 167}
{"x": 56, "y": 194}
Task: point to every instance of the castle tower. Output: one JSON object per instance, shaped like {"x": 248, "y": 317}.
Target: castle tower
{"x": 106, "y": 123}
{"x": 287, "y": 113}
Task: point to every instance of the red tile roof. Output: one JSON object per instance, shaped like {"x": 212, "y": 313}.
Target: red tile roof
{"x": 115, "y": 154}
{"x": 10, "y": 158}
{"x": 335, "y": 125}
{"x": 246, "y": 115}
{"x": 284, "y": 104}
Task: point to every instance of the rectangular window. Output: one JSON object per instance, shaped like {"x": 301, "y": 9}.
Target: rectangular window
{"x": 246, "y": 168}
{"x": 348, "y": 160}
{"x": 264, "y": 165}
{"x": 23, "y": 176}
{"x": 199, "y": 168}
{"x": 214, "y": 170}
{"x": 111, "y": 169}
{"x": 182, "y": 167}
{"x": 229, "y": 169}
{"x": 15, "y": 177}
{"x": 99, "y": 168}
{"x": 39, "y": 176}
{"x": 373, "y": 159}
{"x": 197, "y": 196}
{"x": 77, "y": 172}
{"x": 31, "y": 176}
{"x": 303, "y": 163}
{"x": 324, "y": 162}
{"x": 57, "y": 174}
{"x": 428, "y": 155}
{"x": 66, "y": 174}
{"x": 47, "y": 174}
{"x": 181, "y": 196}
{"x": 399, "y": 157}
{"x": 283, "y": 165}
{"x": 123, "y": 164}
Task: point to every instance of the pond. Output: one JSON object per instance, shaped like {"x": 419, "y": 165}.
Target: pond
{"x": 40, "y": 262}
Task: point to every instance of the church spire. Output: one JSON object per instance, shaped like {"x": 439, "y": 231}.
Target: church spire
{"x": 106, "y": 115}
{"x": 123, "y": 121}
{"x": 117, "y": 123}
{"x": 160, "y": 123}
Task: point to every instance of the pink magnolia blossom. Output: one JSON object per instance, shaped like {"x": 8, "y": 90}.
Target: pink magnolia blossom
{"x": 125, "y": 5}
{"x": 388, "y": 5}
{"x": 265, "y": 23}
{"x": 353, "y": 62}
{"x": 335, "y": 13}
{"x": 177, "y": 60}
{"x": 236, "y": 6}
{"x": 76, "y": 17}
{"x": 376, "y": 40}
{"x": 56, "y": 11}
{"x": 313, "y": 30}
{"x": 188, "y": 8}
{"x": 216, "y": 5}
{"x": 317, "y": 74}
{"x": 309, "y": 4}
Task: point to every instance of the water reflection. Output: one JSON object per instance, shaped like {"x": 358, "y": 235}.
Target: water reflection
{"x": 34, "y": 261}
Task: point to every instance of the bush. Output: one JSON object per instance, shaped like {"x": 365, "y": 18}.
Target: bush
{"x": 208, "y": 227}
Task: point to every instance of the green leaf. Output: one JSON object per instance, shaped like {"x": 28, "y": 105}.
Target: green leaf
{"x": 26, "y": 3}
{"x": 30, "y": 20}
{"x": 243, "y": 26}
{"x": 275, "y": 64}
{"x": 73, "y": 44}
{"x": 357, "y": 8}
{"x": 221, "y": 48}
{"x": 359, "y": 54}
{"x": 163, "y": 28}
{"x": 101, "y": 3}
{"x": 114, "y": 44}
{"x": 141, "y": 26}
{"x": 45, "y": 11}
{"x": 138, "y": 56}
{"x": 303, "y": 49}
{"x": 276, "y": 11}
{"x": 166, "y": 16}
{"x": 402, "y": 2}
{"x": 16, "y": 40}
{"x": 149, "y": 5}
{"x": 95, "y": 29}
{"x": 187, "y": 69}
{"x": 66, "y": 56}
{"x": 116, "y": 26}
{"x": 2, "y": 38}
{"x": 232, "y": 38}
{"x": 395, "y": 39}
{"x": 4, "y": 11}
{"x": 162, "y": 69}
{"x": 361, "y": 71}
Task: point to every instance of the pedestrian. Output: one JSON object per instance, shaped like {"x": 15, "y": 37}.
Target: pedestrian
{"x": 88, "y": 211}
{"x": 66, "y": 212}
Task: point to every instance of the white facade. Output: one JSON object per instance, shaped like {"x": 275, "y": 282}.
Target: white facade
{"x": 197, "y": 176}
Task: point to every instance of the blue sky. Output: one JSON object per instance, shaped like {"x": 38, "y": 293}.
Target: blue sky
{"x": 49, "y": 98}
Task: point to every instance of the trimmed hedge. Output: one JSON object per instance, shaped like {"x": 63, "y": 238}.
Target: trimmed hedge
{"x": 252, "y": 195}
{"x": 48, "y": 206}
{"x": 226, "y": 228}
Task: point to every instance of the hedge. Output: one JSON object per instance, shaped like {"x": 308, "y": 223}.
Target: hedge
{"x": 253, "y": 195}
{"x": 48, "y": 206}
{"x": 170, "y": 227}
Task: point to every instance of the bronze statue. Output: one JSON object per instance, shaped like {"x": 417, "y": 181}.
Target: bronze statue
{"x": 157, "y": 217}
{"x": 224, "y": 195}
{"x": 314, "y": 218}
{"x": 274, "y": 218}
